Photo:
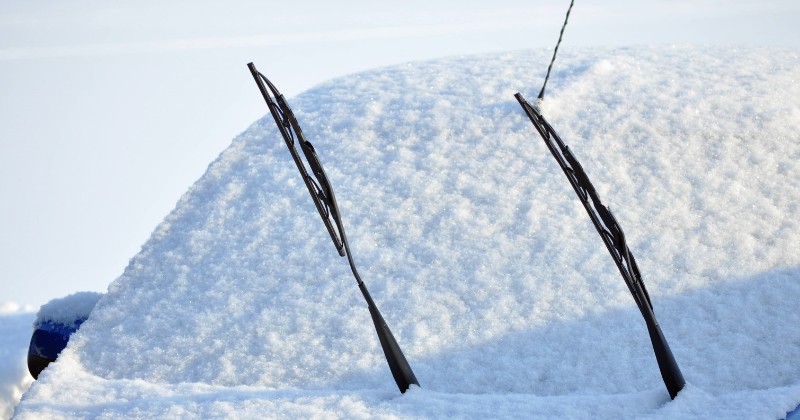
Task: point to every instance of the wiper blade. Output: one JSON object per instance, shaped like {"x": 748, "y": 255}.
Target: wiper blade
{"x": 614, "y": 238}
{"x": 319, "y": 187}
{"x": 322, "y": 193}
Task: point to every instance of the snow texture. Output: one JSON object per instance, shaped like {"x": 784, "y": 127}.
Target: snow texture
{"x": 69, "y": 310}
{"x": 15, "y": 335}
{"x": 476, "y": 251}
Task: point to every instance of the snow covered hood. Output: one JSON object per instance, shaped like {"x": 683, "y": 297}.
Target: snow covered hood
{"x": 475, "y": 249}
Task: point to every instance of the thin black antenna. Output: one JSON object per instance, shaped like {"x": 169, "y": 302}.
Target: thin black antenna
{"x": 555, "y": 51}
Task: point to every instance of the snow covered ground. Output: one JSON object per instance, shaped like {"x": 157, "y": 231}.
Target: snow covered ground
{"x": 16, "y": 326}
{"x": 475, "y": 249}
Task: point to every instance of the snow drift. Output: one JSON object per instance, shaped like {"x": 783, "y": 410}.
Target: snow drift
{"x": 475, "y": 249}
{"x": 15, "y": 334}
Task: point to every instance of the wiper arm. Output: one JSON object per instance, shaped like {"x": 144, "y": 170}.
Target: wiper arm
{"x": 322, "y": 193}
{"x": 614, "y": 238}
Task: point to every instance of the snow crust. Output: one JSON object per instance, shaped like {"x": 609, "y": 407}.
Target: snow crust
{"x": 68, "y": 310}
{"x": 476, "y": 251}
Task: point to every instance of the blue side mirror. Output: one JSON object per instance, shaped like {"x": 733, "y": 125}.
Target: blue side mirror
{"x": 56, "y": 321}
{"x": 48, "y": 339}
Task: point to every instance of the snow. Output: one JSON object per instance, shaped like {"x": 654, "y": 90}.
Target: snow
{"x": 68, "y": 310}
{"x": 15, "y": 334}
{"x": 476, "y": 251}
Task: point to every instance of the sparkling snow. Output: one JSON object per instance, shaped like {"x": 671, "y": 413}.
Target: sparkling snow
{"x": 476, "y": 251}
{"x": 68, "y": 310}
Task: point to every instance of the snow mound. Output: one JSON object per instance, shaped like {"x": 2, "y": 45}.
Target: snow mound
{"x": 15, "y": 335}
{"x": 68, "y": 310}
{"x": 11, "y": 308}
{"x": 475, "y": 250}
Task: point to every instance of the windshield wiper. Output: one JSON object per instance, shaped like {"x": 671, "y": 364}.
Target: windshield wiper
{"x": 322, "y": 193}
{"x": 612, "y": 235}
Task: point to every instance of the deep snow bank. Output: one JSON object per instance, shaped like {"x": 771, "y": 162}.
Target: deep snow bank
{"x": 476, "y": 251}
